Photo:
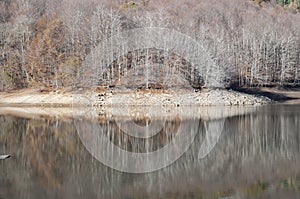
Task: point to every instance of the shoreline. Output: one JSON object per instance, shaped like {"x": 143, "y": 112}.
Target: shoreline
{"x": 105, "y": 98}
{"x": 278, "y": 95}
{"x": 32, "y": 103}
{"x": 112, "y": 97}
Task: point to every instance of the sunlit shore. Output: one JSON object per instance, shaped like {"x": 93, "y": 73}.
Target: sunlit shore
{"x": 61, "y": 98}
{"x": 106, "y": 98}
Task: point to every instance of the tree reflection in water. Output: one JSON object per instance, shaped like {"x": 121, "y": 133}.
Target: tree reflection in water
{"x": 257, "y": 155}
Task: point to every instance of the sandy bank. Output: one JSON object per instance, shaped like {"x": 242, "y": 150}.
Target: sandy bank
{"x": 207, "y": 97}
{"x": 33, "y": 97}
{"x": 30, "y": 103}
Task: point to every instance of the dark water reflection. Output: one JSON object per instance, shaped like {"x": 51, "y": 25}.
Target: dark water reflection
{"x": 257, "y": 156}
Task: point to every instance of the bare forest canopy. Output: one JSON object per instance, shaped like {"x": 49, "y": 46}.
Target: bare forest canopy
{"x": 43, "y": 43}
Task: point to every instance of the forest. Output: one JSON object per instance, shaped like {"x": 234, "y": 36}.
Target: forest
{"x": 43, "y": 43}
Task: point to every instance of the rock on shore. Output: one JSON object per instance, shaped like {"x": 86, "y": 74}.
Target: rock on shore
{"x": 206, "y": 97}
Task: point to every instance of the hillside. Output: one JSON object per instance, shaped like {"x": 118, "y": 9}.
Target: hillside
{"x": 46, "y": 44}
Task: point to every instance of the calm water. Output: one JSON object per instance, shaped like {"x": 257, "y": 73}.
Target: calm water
{"x": 255, "y": 156}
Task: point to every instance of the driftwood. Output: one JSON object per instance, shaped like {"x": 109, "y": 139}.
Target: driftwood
{"x": 2, "y": 157}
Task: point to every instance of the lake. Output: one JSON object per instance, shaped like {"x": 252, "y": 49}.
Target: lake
{"x": 222, "y": 152}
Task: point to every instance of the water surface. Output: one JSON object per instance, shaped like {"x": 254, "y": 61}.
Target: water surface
{"x": 256, "y": 156}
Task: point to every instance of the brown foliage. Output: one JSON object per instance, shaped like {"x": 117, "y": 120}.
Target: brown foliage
{"x": 45, "y": 51}
{"x": 45, "y": 42}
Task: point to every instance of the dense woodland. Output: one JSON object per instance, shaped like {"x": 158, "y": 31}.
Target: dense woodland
{"x": 43, "y": 43}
